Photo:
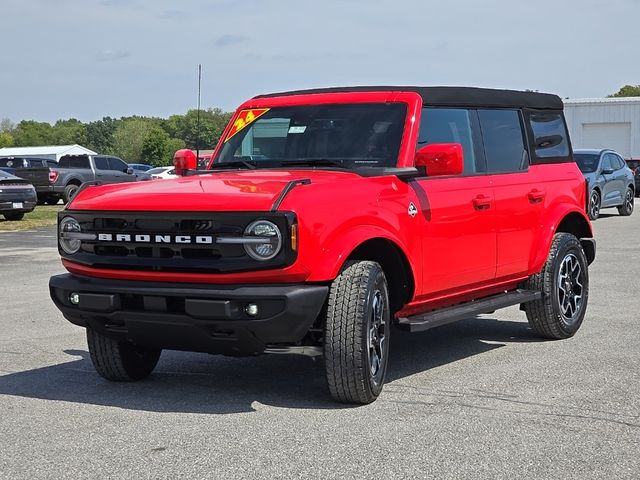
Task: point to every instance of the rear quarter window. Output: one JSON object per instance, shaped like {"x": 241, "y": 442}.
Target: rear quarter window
{"x": 550, "y": 138}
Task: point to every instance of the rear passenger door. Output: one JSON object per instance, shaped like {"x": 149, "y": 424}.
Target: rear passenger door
{"x": 519, "y": 192}
{"x": 458, "y": 232}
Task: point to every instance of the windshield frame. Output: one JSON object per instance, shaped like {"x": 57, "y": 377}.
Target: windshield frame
{"x": 412, "y": 100}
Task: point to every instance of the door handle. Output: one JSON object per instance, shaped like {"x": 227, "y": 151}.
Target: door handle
{"x": 481, "y": 202}
{"x": 536, "y": 196}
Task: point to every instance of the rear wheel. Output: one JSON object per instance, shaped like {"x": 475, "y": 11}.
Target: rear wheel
{"x": 564, "y": 283}
{"x": 356, "y": 334}
{"x": 120, "y": 361}
{"x": 626, "y": 208}
{"x": 69, "y": 192}
{"x": 594, "y": 205}
{"x": 14, "y": 216}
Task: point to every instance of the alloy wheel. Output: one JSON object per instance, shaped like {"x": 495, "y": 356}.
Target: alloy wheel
{"x": 570, "y": 288}
{"x": 376, "y": 336}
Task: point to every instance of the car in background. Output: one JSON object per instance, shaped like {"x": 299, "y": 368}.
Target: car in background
{"x": 42, "y": 173}
{"x": 17, "y": 196}
{"x": 609, "y": 179}
{"x": 74, "y": 170}
{"x": 142, "y": 167}
{"x": 159, "y": 173}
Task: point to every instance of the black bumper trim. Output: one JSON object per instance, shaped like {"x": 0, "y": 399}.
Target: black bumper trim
{"x": 192, "y": 317}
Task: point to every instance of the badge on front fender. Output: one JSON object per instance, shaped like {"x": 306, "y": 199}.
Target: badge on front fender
{"x": 412, "y": 210}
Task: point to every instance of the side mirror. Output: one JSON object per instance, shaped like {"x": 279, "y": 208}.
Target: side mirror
{"x": 129, "y": 171}
{"x": 184, "y": 160}
{"x": 441, "y": 159}
{"x": 607, "y": 171}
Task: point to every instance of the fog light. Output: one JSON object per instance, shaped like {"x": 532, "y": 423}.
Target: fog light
{"x": 74, "y": 298}
{"x": 251, "y": 309}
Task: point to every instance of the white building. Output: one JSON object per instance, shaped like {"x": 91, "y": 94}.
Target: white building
{"x": 605, "y": 123}
{"x": 52, "y": 152}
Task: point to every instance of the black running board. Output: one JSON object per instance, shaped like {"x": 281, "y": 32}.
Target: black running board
{"x": 436, "y": 318}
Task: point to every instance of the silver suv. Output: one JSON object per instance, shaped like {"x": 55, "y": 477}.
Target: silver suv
{"x": 610, "y": 181}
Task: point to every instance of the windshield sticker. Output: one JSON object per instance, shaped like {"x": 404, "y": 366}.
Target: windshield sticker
{"x": 300, "y": 129}
{"x": 245, "y": 118}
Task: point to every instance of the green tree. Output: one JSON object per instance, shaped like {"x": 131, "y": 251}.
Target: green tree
{"x": 185, "y": 127}
{"x": 158, "y": 147}
{"x": 129, "y": 139}
{"x": 69, "y": 132}
{"x": 100, "y": 133}
{"x": 29, "y": 133}
{"x": 627, "y": 91}
{"x": 6, "y": 139}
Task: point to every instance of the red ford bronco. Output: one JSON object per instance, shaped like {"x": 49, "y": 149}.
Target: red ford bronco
{"x": 326, "y": 216}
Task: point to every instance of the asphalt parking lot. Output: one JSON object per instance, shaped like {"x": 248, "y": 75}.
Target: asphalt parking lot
{"x": 482, "y": 398}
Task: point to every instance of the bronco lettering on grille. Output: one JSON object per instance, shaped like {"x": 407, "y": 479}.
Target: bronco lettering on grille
{"x": 144, "y": 238}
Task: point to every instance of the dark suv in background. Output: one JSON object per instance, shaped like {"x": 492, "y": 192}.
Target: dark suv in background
{"x": 610, "y": 181}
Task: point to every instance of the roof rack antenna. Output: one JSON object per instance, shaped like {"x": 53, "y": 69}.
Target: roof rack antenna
{"x": 198, "y": 120}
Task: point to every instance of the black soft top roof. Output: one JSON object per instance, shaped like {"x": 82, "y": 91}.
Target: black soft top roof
{"x": 452, "y": 96}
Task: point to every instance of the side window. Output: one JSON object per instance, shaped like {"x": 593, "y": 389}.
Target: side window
{"x": 503, "y": 140}
{"x": 449, "y": 125}
{"x": 101, "y": 163}
{"x": 620, "y": 163}
{"x": 549, "y": 134}
{"x": 606, "y": 162}
{"x": 116, "y": 164}
{"x": 75, "y": 162}
{"x": 52, "y": 164}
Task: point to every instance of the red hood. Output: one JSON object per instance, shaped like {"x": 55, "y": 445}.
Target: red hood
{"x": 224, "y": 191}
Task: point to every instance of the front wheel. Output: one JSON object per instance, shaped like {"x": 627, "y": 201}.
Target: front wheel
{"x": 356, "y": 333}
{"x": 626, "y": 208}
{"x": 564, "y": 283}
{"x": 120, "y": 361}
{"x": 594, "y": 205}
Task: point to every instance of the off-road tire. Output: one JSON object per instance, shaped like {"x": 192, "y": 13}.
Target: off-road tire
{"x": 545, "y": 316}
{"x": 120, "y": 361}
{"x": 595, "y": 200}
{"x": 69, "y": 192}
{"x": 13, "y": 217}
{"x": 626, "y": 208}
{"x": 353, "y": 297}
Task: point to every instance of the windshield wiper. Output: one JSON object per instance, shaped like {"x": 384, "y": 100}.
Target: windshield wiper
{"x": 234, "y": 164}
{"x": 313, "y": 161}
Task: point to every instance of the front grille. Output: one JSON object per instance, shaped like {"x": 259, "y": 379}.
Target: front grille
{"x": 149, "y": 241}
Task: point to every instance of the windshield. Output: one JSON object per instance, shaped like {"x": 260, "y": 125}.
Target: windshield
{"x": 342, "y": 135}
{"x": 587, "y": 162}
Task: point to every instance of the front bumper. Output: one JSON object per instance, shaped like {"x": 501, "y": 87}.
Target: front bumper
{"x": 191, "y": 317}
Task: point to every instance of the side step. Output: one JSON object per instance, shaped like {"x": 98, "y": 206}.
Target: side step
{"x": 436, "y": 318}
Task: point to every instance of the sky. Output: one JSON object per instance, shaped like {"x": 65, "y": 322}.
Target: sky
{"x": 87, "y": 59}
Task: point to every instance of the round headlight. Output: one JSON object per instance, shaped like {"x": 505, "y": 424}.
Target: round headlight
{"x": 267, "y": 243}
{"x": 69, "y": 225}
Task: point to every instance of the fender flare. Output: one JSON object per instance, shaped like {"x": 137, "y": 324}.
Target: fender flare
{"x": 341, "y": 245}
{"x": 552, "y": 219}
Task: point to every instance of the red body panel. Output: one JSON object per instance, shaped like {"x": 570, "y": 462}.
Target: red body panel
{"x": 471, "y": 235}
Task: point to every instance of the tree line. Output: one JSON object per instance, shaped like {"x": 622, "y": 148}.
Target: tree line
{"x": 135, "y": 139}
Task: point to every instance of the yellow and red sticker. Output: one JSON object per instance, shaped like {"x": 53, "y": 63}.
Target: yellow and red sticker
{"x": 245, "y": 118}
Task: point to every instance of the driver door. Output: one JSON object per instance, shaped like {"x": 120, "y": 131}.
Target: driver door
{"x": 459, "y": 234}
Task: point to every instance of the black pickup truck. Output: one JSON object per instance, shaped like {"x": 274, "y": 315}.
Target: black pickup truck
{"x": 42, "y": 173}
